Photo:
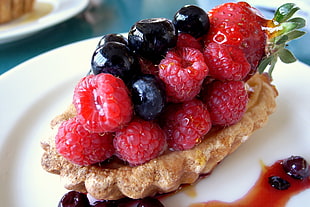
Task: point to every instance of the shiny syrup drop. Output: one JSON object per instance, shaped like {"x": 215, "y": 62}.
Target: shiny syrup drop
{"x": 262, "y": 193}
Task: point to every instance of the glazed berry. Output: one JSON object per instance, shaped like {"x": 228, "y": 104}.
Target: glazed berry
{"x": 185, "y": 124}
{"x": 106, "y": 204}
{"x": 74, "y": 199}
{"x": 186, "y": 40}
{"x": 102, "y": 103}
{"x": 148, "y": 95}
{"x": 81, "y": 147}
{"x": 296, "y": 167}
{"x": 183, "y": 71}
{"x": 226, "y": 62}
{"x": 278, "y": 183}
{"x": 139, "y": 142}
{"x": 151, "y": 38}
{"x": 150, "y": 202}
{"x": 226, "y": 101}
{"x": 112, "y": 38}
{"x": 192, "y": 20}
{"x": 237, "y": 24}
{"x": 115, "y": 58}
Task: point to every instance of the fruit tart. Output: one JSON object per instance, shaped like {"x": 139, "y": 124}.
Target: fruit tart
{"x": 166, "y": 104}
{"x": 13, "y": 9}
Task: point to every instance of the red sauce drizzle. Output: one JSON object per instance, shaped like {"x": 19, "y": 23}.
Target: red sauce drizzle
{"x": 262, "y": 193}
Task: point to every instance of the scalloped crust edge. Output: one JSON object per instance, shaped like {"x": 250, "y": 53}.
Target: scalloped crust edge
{"x": 167, "y": 172}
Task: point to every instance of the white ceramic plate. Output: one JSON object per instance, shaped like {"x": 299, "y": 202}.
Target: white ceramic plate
{"x": 46, "y": 13}
{"x": 35, "y": 91}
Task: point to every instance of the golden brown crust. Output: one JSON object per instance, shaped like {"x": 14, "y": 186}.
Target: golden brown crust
{"x": 13, "y": 9}
{"x": 167, "y": 172}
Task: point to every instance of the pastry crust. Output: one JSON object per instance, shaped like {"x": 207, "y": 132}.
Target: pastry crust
{"x": 166, "y": 173}
{"x": 13, "y": 9}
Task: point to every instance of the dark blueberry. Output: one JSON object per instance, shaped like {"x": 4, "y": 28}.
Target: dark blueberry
{"x": 192, "y": 20}
{"x": 151, "y": 38}
{"x": 296, "y": 167}
{"x": 124, "y": 202}
{"x": 112, "y": 38}
{"x": 106, "y": 204}
{"x": 74, "y": 199}
{"x": 148, "y": 96}
{"x": 278, "y": 183}
{"x": 115, "y": 58}
{"x": 150, "y": 202}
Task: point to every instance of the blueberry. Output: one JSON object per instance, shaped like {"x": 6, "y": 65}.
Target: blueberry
{"x": 106, "y": 204}
{"x": 112, "y": 38}
{"x": 151, "y": 38}
{"x": 296, "y": 167}
{"x": 115, "y": 58}
{"x": 150, "y": 202}
{"x": 148, "y": 96}
{"x": 124, "y": 202}
{"x": 74, "y": 199}
{"x": 278, "y": 183}
{"x": 192, "y": 20}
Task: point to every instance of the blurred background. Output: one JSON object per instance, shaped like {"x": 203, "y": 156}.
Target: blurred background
{"x": 116, "y": 16}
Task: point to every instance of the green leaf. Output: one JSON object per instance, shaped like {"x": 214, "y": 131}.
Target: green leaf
{"x": 264, "y": 62}
{"x": 288, "y": 27}
{"x": 285, "y": 12}
{"x": 295, "y": 34}
{"x": 288, "y": 37}
{"x": 281, "y": 40}
{"x": 272, "y": 65}
{"x": 299, "y": 21}
{"x": 286, "y": 56}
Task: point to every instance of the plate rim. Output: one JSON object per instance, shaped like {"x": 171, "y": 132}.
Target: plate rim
{"x": 57, "y": 15}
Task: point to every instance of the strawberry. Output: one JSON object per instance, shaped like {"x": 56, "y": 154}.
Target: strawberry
{"x": 262, "y": 41}
{"x": 236, "y": 25}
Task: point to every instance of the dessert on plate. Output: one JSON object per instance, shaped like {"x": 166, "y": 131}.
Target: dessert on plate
{"x": 170, "y": 101}
{"x": 13, "y": 9}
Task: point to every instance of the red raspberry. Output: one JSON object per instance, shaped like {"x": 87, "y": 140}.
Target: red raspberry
{"x": 102, "y": 103}
{"x": 226, "y": 62}
{"x": 81, "y": 147}
{"x": 183, "y": 71}
{"x": 185, "y": 124}
{"x": 226, "y": 101}
{"x": 186, "y": 40}
{"x": 139, "y": 142}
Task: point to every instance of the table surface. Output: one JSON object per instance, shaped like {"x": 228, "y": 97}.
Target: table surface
{"x": 99, "y": 18}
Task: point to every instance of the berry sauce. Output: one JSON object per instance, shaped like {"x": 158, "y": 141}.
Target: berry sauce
{"x": 262, "y": 193}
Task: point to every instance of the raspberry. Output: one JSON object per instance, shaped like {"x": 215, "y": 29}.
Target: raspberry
{"x": 186, "y": 40}
{"x": 185, "y": 124}
{"x": 226, "y": 62}
{"x": 183, "y": 71}
{"x": 102, "y": 103}
{"x": 81, "y": 147}
{"x": 139, "y": 142}
{"x": 226, "y": 101}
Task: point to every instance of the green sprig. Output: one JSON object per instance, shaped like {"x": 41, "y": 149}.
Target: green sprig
{"x": 287, "y": 29}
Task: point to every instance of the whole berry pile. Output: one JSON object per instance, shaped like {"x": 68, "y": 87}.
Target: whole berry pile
{"x": 165, "y": 85}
